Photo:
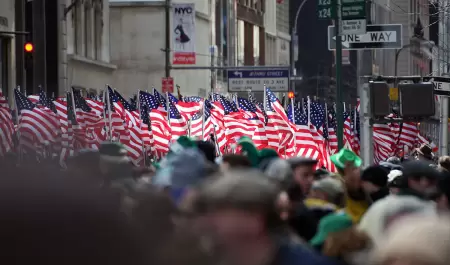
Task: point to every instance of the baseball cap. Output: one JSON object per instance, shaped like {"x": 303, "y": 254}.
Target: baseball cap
{"x": 332, "y": 187}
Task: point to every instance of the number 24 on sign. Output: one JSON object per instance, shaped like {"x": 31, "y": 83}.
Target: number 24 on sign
{"x": 324, "y": 2}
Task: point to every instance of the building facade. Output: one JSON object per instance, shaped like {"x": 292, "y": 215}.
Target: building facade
{"x": 7, "y": 46}
{"x": 85, "y": 61}
{"x": 406, "y": 13}
{"x": 138, "y": 47}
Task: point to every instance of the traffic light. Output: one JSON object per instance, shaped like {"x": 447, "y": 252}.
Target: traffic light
{"x": 379, "y": 99}
{"x": 291, "y": 94}
{"x": 28, "y": 48}
{"x": 417, "y": 100}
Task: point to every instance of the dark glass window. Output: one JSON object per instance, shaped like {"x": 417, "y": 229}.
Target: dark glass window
{"x": 4, "y": 62}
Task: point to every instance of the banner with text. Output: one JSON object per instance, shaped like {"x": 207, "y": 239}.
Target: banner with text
{"x": 183, "y": 33}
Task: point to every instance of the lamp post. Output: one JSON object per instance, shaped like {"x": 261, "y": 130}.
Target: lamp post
{"x": 294, "y": 37}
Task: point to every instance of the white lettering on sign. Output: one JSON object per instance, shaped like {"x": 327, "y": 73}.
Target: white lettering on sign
{"x": 441, "y": 86}
{"x": 371, "y": 37}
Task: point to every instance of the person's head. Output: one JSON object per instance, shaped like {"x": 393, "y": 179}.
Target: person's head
{"x": 394, "y": 181}
{"x": 420, "y": 177}
{"x": 444, "y": 163}
{"x": 303, "y": 170}
{"x": 237, "y": 209}
{"x": 386, "y": 212}
{"x": 415, "y": 241}
{"x": 424, "y": 153}
{"x": 208, "y": 149}
{"x": 328, "y": 189}
{"x": 51, "y": 219}
{"x": 111, "y": 155}
{"x": 374, "y": 178}
{"x": 443, "y": 199}
{"x": 321, "y": 173}
{"x": 232, "y": 161}
{"x": 85, "y": 165}
{"x": 348, "y": 165}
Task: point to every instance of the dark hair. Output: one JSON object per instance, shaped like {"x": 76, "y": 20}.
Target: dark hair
{"x": 236, "y": 160}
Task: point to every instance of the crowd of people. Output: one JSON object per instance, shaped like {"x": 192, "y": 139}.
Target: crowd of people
{"x": 249, "y": 208}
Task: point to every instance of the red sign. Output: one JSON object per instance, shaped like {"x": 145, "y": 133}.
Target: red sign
{"x": 167, "y": 84}
{"x": 184, "y": 58}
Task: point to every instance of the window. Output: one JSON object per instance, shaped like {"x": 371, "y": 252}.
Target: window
{"x": 256, "y": 43}
{"x": 77, "y": 29}
{"x": 4, "y": 65}
{"x": 87, "y": 29}
{"x": 98, "y": 28}
{"x": 241, "y": 42}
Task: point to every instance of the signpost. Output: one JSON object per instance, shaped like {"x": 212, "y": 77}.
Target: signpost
{"x": 325, "y": 9}
{"x": 254, "y": 80}
{"x": 388, "y": 36}
{"x": 167, "y": 84}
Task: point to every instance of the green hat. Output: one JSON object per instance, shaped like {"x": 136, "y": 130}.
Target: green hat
{"x": 113, "y": 152}
{"x": 331, "y": 223}
{"x": 344, "y": 156}
{"x": 181, "y": 143}
{"x": 249, "y": 150}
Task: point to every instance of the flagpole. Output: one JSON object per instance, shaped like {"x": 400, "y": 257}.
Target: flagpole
{"x": 215, "y": 140}
{"x": 265, "y": 98}
{"x": 203, "y": 121}
{"x": 138, "y": 105}
{"x": 293, "y": 121}
{"x": 16, "y": 111}
{"x": 108, "y": 100}
{"x": 168, "y": 107}
{"x": 309, "y": 110}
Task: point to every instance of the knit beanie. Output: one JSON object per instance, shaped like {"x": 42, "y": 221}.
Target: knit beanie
{"x": 376, "y": 175}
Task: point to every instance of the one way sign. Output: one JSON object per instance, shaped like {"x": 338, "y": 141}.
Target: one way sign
{"x": 387, "y": 36}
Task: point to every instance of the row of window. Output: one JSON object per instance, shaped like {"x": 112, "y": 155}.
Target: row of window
{"x": 259, "y": 5}
{"x": 87, "y": 18}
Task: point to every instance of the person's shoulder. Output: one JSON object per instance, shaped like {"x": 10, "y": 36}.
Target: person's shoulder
{"x": 293, "y": 254}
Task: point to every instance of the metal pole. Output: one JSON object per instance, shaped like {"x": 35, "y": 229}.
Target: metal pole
{"x": 168, "y": 31}
{"x": 293, "y": 44}
{"x": 339, "y": 106}
{"x": 442, "y": 67}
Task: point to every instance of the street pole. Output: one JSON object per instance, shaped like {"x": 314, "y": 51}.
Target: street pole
{"x": 168, "y": 31}
{"x": 338, "y": 65}
{"x": 442, "y": 70}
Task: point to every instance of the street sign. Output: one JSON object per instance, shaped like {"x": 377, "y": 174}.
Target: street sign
{"x": 353, "y": 27}
{"x": 353, "y": 9}
{"x": 387, "y": 36}
{"x": 167, "y": 84}
{"x": 254, "y": 80}
{"x": 325, "y": 9}
{"x": 441, "y": 86}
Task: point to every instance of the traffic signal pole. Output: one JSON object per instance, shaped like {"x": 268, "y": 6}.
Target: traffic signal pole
{"x": 338, "y": 65}
{"x": 168, "y": 34}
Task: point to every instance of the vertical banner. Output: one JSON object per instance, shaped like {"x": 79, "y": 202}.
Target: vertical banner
{"x": 183, "y": 33}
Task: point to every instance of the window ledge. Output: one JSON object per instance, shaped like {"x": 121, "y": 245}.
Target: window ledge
{"x": 98, "y": 63}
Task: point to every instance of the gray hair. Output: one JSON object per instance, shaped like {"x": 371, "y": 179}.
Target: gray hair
{"x": 416, "y": 238}
{"x": 246, "y": 189}
{"x": 375, "y": 221}
{"x": 279, "y": 170}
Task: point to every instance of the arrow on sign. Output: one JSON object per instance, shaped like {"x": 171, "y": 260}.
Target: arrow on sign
{"x": 346, "y": 44}
{"x": 238, "y": 74}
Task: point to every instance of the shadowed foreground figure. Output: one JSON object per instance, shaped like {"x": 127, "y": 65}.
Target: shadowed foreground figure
{"x": 45, "y": 218}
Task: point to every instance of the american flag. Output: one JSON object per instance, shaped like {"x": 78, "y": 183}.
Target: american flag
{"x": 250, "y": 111}
{"x": 7, "y": 130}
{"x": 278, "y": 123}
{"x": 46, "y": 101}
{"x": 305, "y": 143}
{"x": 332, "y": 137}
{"x": 36, "y": 126}
{"x": 159, "y": 124}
